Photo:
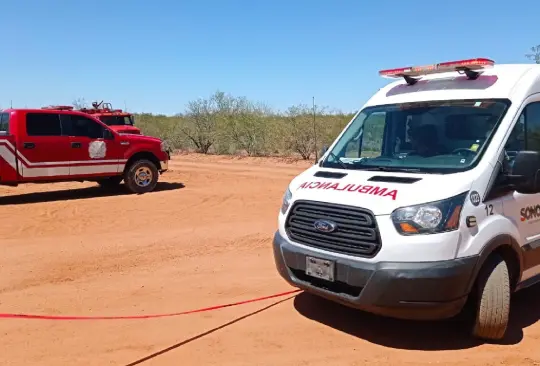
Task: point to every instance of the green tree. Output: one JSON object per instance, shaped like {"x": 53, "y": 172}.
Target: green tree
{"x": 226, "y": 124}
{"x": 300, "y": 131}
{"x": 79, "y": 103}
{"x": 204, "y": 118}
{"x": 535, "y": 55}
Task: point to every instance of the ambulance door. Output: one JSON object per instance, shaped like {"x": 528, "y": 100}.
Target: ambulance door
{"x": 524, "y": 209}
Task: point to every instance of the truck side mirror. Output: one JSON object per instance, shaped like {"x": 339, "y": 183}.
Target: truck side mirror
{"x": 107, "y": 134}
{"x": 525, "y": 174}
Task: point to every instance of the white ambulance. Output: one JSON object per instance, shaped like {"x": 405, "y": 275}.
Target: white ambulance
{"x": 428, "y": 202}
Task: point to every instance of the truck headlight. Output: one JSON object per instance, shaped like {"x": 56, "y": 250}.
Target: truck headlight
{"x": 287, "y": 197}
{"x": 429, "y": 218}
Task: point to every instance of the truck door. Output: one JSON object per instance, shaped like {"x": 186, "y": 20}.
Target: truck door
{"x": 42, "y": 148}
{"x": 9, "y": 167}
{"x": 524, "y": 209}
{"x": 94, "y": 149}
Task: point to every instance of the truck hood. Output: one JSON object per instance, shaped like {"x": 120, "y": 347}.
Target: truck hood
{"x": 126, "y": 129}
{"x": 380, "y": 192}
{"x": 141, "y": 138}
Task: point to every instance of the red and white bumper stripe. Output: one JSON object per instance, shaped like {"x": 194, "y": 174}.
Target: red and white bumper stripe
{"x": 28, "y": 169}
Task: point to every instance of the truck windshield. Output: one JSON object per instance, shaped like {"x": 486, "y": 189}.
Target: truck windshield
{"x": 117, "y": 120}
{"x": 433, "y": 136}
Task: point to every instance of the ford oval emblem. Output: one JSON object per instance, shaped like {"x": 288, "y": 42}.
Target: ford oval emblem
{"x": 325, "y": 226}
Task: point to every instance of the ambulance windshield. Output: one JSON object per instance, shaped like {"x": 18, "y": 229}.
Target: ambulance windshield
{"x": 433, "y": 136}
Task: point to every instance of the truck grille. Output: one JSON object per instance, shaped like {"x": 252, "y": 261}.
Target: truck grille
{"x": 357, "y": 232}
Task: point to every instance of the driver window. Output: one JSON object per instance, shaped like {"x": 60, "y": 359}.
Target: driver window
{"x": 526, "y": 133}
{"x": 532, "y": 120}
{"x": 82, "y": 126}
{"x": 516, "y": 140}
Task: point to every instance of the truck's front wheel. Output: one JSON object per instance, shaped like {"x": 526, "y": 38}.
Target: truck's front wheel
{"x": 493, "y": 300}
{"x": 141, "y": 176}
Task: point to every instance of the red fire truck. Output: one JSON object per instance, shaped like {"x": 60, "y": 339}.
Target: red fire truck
{"x": 119, "y": 120}
{"x": 54, "y": 144}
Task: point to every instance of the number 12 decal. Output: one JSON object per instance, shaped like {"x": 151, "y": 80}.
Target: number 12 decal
{"x": 489, "y": 209}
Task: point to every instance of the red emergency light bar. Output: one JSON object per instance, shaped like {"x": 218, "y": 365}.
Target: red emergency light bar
{"x": 103, "y": 111}
{"x": 59, "y": 107}
{"x": 467, "y": 66}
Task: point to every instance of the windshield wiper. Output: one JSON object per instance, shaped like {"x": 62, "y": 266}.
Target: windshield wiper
{"x": 342, "y": 164}
{"x": 393, "y": 169}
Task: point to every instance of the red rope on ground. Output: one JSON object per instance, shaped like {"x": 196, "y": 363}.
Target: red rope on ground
{"x": 70, "y": 317}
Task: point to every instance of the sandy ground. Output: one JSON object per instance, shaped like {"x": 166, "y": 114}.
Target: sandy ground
{"x": 203, "y": 238}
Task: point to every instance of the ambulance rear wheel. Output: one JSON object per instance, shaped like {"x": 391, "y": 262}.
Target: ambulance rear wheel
{"x": 492, "y": 293}
{"x": 141, "y": 176}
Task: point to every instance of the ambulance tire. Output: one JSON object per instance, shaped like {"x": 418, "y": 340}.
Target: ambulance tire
{"x": 111, "y": 182}
{"x": 492, "y": 305}
{"x": 135, "y": 174}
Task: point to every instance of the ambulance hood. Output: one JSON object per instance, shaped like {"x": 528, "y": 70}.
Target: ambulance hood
{"x": 378, "y": 191}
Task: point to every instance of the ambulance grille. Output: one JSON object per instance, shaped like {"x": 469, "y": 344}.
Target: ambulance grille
{"x": 356, "y": 230}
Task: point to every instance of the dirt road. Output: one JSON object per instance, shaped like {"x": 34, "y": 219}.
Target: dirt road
{"x": 202, "y": 239}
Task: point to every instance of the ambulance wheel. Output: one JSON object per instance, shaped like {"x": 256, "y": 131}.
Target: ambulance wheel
{"x": 141, "y": 176}
{"x": 111, "y": 182}
{"x": 492, "y": 293}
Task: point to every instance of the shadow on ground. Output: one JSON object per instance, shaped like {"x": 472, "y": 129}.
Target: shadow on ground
{"x": 78, "y": 194}
{"x": 417, "y": 335}
{"x": 204, "y": 334}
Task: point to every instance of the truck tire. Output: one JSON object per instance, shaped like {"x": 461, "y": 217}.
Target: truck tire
{"x": 141, "y": 176}
{"x": 111, "y": 182}
{"x": 493, "y": 300}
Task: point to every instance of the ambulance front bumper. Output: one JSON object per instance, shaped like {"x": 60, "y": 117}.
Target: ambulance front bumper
{"x": 418, "y": 291}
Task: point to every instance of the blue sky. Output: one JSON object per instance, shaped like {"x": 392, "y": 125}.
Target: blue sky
{"x": 156, "y": 56}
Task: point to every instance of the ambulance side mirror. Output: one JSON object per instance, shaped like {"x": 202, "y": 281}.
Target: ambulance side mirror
{"x": 525, "y": 174}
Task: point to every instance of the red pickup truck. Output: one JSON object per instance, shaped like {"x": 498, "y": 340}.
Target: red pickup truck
{"x": 48, "y": 145}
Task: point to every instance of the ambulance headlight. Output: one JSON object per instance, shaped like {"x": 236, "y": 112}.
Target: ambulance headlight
{"x": 287, "y": 197}
{"x": 429, "y": 218}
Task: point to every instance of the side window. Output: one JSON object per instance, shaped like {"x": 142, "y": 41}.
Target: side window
{"x": 516, "y": 140}
{"x": 43, "y": 124}
{"x": 526, "y": 132}
{"x": 532, "y": 121}
{"x": 4, "y": 123}
{"x": 82, "y": 126}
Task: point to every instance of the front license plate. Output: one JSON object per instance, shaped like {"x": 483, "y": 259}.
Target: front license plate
{"x": 320, "y": 268}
